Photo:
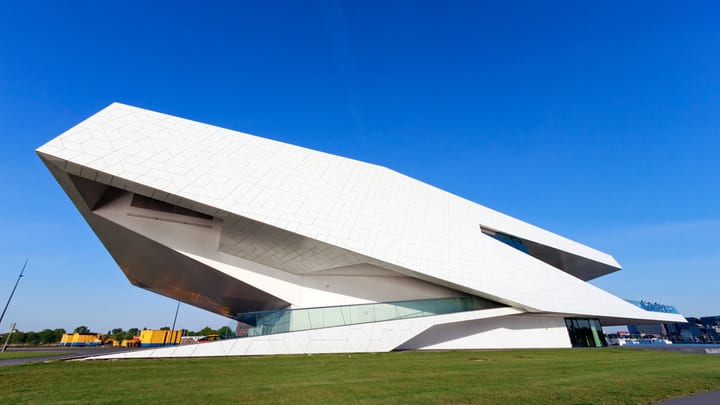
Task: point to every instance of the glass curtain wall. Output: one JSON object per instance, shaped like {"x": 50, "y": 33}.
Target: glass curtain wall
{"x": 585, "y": 332}
{"x": 290, "y": 320}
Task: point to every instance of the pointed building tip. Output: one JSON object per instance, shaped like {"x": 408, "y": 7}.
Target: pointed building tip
{"x": 117, "y": 104}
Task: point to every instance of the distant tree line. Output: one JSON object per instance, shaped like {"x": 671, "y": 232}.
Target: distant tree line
{"x": 53, "y": 336}
{"x": 44, "y": 337}
{"x": 119, "y": 334}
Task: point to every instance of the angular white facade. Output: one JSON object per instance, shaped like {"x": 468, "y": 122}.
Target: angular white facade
{"x": 237, "y": 224}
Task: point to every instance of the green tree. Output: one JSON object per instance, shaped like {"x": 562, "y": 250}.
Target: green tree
{"x": 82, "y": 329}
{"x": 206, "y": 331}
{"x": 132, "y": 332}
{"x": 58, "y": 335}
{"x": 225, "y": 332}
{"x": 17, "y": 338}
{"x": 165, "y": 328}
{"x": 32, "y": 338}
{"x": 46, "y": 336}
{"x": 118, "y": 334}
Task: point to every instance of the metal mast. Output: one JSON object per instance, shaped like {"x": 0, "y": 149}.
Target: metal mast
{"x": 13, "y": 290}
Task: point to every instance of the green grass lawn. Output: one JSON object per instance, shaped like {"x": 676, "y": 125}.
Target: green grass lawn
{"x": 496, "y": 377}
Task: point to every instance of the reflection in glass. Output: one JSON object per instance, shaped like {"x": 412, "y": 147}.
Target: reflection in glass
{"x": 290, "y": 320}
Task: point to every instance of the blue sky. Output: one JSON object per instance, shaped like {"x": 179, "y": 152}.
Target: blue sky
{"x": 598, "y": 121}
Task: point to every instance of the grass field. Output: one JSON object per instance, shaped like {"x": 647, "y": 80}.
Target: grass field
{"x": 497, "y": 377}
{"x": 22, "y": 355}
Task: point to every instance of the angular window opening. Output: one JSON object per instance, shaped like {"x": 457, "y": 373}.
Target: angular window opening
{"x": 509, "y": 240}
{"x": 91, "y": 191}
{"x": 583, "y": 268}
{"x": 140, "y": 201}
{"x": 585, "y": 332}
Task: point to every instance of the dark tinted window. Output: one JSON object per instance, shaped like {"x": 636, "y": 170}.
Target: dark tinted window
{"x": 140, "y": 201}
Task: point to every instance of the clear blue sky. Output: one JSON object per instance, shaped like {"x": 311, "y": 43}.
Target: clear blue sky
{"x": 599, "y": 121}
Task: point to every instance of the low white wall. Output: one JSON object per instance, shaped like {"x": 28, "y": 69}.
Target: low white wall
{"x": 521, "y": 332}
{"x": 484, "y": 329}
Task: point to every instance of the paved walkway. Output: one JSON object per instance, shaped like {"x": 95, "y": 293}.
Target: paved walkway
{"x": 57, "y": 353}
{"x": 706, "y": 398}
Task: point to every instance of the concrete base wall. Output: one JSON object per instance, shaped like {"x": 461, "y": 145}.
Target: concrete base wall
{"x": 498, "y": 328}
{"x": 508, "y": 332}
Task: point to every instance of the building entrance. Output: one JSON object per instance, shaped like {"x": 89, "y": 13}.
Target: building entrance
{"x": 585, "y": 332}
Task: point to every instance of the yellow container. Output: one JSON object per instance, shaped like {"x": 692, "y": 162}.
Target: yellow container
{"x": 77, "y": 339}
{"x": 151, "y": 338}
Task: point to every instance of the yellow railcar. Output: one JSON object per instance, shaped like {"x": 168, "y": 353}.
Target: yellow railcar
{"x": 129, "y": 343}
{"x": 152, "y": 338}
{"x": 81, "y": 339}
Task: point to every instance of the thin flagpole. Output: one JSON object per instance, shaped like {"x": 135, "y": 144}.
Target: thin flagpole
{"x": 13, "y": 290}
{"x": 172, "y": 331}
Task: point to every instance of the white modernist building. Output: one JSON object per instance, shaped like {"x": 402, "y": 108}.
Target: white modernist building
{"x": 312, "y": 252}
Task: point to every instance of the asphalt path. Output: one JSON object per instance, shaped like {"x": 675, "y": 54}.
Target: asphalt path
{"x": 706, "y": 398}
{"x": 58, "y": 353}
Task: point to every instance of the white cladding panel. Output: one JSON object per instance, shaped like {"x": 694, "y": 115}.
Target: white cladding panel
{"x": 313, "y": 193}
